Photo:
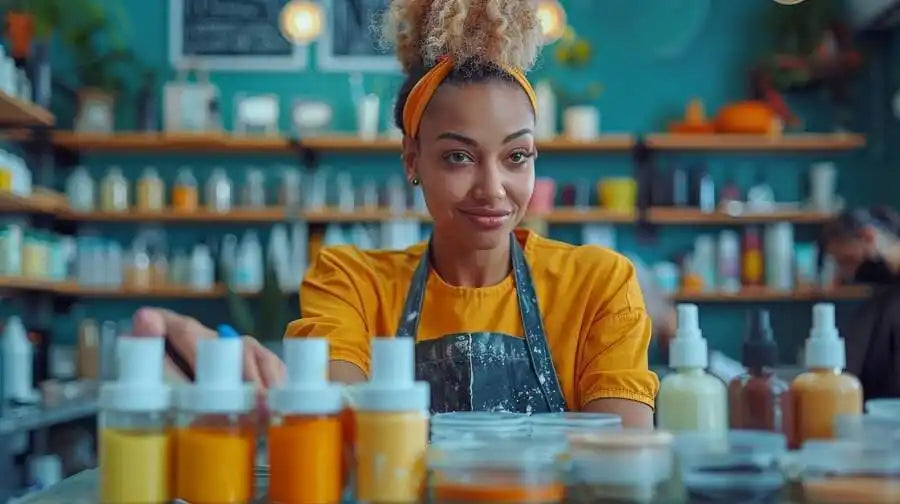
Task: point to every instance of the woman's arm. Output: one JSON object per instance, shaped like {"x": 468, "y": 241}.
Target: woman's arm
{"x": 345, "y": 372}
{"x": 634, "y": 414}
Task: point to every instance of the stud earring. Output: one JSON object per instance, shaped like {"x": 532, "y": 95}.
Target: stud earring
{"x": 415, "y": 181}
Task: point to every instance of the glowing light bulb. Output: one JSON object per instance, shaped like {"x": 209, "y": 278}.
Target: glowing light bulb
{"x": 301, "y": 21}
{"x": 552, "y": 17}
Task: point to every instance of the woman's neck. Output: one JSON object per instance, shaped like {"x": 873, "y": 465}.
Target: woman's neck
{"x": 459, "y": 264}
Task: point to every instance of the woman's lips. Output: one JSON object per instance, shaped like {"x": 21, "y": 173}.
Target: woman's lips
{"x": 487, "y": 218}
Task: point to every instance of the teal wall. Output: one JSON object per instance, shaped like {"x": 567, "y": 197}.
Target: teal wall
{"x": 651, "y": 56}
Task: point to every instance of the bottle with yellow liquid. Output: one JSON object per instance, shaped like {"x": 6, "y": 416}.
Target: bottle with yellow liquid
{"x": 135, "y": 443}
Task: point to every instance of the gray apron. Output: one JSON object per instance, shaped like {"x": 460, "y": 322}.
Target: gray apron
{"x": 486, "y": 371}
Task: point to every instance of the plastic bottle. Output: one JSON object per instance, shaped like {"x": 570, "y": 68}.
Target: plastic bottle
{"x": 305, "y": 441}
{"x": 6, "y": 172}
{"x": 219, "y": 192}
{"x": 135, "y": 441}
{"x": 17, "y": 362}
{"x": 202, "y": 269}
{"x": 215, "y": 438}
{"x": 729, "y": 262}
{"x": 779, "y": 256}
{"x": 248, "y": 275}
{"x": 825, "y": 392}
{"x": 691, "y": 399}
{"x": 114, "y": 191}
{"x": 758, "y": 400}
{"x": 185, "y": 196}
{"x": 391, "y": 425}
{"x": 151, "y": 191}
{"x": 255, "y": 189}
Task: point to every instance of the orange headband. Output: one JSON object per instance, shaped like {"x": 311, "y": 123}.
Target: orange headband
{"x": 422, "y": 92}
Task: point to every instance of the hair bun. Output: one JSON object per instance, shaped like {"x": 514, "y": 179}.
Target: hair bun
{"x": 497, "y": 32}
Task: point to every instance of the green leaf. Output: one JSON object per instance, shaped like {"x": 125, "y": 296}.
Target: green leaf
{"x": 239, "y": 309}
{"x": 273, "y": 309}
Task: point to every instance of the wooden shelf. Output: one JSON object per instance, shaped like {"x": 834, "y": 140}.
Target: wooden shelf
{"x": 16, "y": 112}
{"x": 227, "y": 143}
{"x": 726, "y": 142}
{"x": 41, "y": 201}
{"x": 681, "y": 216}
{"x": 239, "y": 215}
{"x": 759, "y": 295}
{"x": 563, "y": 215}
{"x": 27, "y": 284}
{"x": 73, "y": 289}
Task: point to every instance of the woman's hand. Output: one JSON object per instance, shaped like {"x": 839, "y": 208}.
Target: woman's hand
{"x": 261, "y": 366}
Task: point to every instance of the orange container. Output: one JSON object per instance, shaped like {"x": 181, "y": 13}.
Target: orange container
{"x": 452, "y": 493}
{"x": 305, "y": 460}
{"x": 214, "y": 465}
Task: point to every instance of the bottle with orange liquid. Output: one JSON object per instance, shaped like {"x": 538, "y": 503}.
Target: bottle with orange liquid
{"x": 305, "y": 438}
{"x": 215, "y": 439}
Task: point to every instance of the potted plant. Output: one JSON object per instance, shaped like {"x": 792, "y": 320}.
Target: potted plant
{"x": 28, "y": 20}
{"x": 581, "y": 119}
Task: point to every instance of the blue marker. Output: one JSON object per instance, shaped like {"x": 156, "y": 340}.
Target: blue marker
{"x": 226, "y": 331}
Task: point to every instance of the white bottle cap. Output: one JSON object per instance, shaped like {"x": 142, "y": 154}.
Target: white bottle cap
{"x": 140, "y": 386}
{"x": 688, "y": 349}
{"x": 307, "y": 391}
{"x": 392, "y": 385}
{"x": 825, "y": 347}
{"x": 218, "y": 382}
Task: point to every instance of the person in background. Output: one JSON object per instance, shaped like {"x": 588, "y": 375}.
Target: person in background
{"x": 865, "y": 244}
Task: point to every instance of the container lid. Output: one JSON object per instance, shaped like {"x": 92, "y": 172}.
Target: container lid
{"x": 575, "y": 420}
{"x": 760, "y": 349}
{"x": 825, "y": 347}
{"x": 688, "y": 348}
{"x": 884, "y": 408}
{"x": 392, "y": 385}
{"x": 307, "y": 390}
{"x": 140, "y": 386}
{"x": 493, "y": 455}
{"x": 218, "y": 386}
{"x": 842, "y": 456}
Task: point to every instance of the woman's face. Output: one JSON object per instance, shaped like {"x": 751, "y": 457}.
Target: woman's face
{"x": 475, "y": 160}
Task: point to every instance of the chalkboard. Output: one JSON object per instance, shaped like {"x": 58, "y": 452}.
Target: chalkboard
{"x": 231, "y": 35}
{"x": 352, "y": 40}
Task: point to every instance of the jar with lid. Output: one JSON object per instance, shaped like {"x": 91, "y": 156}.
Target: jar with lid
{"x": 850, "y": 471}
{"x": 562, "y": 425}
{"x": 627, "y": 466}
{"x": 114, "y": 191}
{"x": 151, "y": 191}
{"x": 464, "y": 425}
{"x": 255, "y": 189}
{"x": 738, "y": 466}
{"x": 80, "y": 190}
{"x": 219, "y": 197}
{"x": 498, "y": 471}
{"x": 185, "y": 196}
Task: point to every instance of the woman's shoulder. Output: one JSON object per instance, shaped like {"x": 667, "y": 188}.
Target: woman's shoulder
{"x": 585, "y": 260}
{"x": 356, "y": 262}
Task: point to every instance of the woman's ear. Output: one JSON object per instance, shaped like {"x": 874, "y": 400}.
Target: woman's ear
{"x": 410, "y": 155}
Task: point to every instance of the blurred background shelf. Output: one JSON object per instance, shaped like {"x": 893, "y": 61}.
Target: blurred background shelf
{"x": 40, "y": 202}
{"x": 687, "y": 216}
{"x": 734, "y": 142}
{"x": 16, "y": 112}
{"x": 761, "y": 295}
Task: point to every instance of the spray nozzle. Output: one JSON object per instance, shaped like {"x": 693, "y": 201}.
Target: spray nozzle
{"x": 688, "y": 321}
{"x": 759, "y": 349}
{"x": 824, "y": 348}
{"x": 688, "y": 349}
{"x": 823, "y": 321}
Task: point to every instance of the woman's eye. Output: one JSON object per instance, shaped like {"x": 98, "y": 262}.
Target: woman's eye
{"x": 519, "y": 157}
{"x": 458, "y": 158}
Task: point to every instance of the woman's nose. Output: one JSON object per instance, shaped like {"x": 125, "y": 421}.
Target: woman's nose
{"x": 489, "y": 184}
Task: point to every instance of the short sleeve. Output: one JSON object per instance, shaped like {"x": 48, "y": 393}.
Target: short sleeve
{"x": 614, "y": 362}
{"x": 332, "y": 307}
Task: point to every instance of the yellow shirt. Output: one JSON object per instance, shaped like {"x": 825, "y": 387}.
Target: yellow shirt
{"x": 597, "y": 326}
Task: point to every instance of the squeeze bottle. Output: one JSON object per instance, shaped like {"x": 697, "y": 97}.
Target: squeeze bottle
{"x": 305, "y": 442}
{"x": 215, "y": 438}
{"x": 691, "y": 399}
{"x": 17, "y": 363}
{"x": 135, "y": 442}
{"x": 391, "y": 420}
{"x": 824, "y": 392}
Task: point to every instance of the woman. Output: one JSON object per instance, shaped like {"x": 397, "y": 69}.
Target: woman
{"x": 866, "y": 247}
{"x": 503, "y": 319}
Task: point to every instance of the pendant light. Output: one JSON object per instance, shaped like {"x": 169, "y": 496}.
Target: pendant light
{"x": 552, "y": 17}
{"x": 301, "y": 21}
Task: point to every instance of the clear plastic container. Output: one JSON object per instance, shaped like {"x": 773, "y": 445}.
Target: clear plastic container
{"x": 494, "y": 471}
{"x": 886, "y": 408}
{"x": 185, "y": 197}
{"x": 255, "y": 189}
{"x": 465, "y": 425}
{"x": 219, "y": 192}
{"x": 867, "y": 428}
{"x": 850, "y": 472}
{"x": 151, "y": 190}
{"x": 738, "y": 466}
{"x": 628, "y": 466}
{"x": 571, "y": 423}
{"x": 114, "y": 191}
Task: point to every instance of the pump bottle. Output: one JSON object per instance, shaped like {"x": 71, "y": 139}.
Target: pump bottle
{"x": 691, "y": 399}
{"x": 135, "y": 444}
{"x": 824, "y": 392}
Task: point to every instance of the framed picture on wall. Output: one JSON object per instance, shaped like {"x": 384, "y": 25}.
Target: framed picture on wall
{"x": 231, "y": 35}
{"x": 351, "y": 40}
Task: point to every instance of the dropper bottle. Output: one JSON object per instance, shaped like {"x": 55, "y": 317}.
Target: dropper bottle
{"x": 135, "y": 444}
{"x": 215, "y": 439}
{"x": 824, "y": 392}
{"x": 305, "y": 441}
{"x": 758, "y": 399}
{"x": 391, "y": 425}
{"x": 691, "y": 399}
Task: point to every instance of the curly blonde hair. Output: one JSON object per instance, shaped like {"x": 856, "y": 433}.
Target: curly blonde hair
{"x": 497, "y": 33}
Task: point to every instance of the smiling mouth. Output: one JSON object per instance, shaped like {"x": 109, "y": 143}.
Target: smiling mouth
{"x": 487, "y": 218}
